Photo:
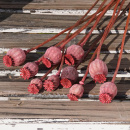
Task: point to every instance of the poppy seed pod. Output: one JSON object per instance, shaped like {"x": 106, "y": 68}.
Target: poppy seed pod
{"x": 14, "y": 57}
{"x": 75, "y": 92}
{"x": 73, "y": 52}
{"x": 51, "y": 83}
{"x": 68, "y": 76}
{"x": 30, "y": 69}
{"x": 108, "y": 91}
{"x": 98, "y": 70}
{"x": 35, "y": 86}
{"x": 52, "y": 55}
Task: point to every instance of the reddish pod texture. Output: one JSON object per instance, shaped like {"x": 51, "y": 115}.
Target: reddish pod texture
{"x": 68, "y": 76}
{"x": 51, "y": 83}
{"x": 14, "y": 57}
{"x": 98, "y": 70}
{"x": 30, "y": 69}
{"x": 52, "y": 55}
{"x": 35, "y": 86}
{"x": 73, "y": 52}
{"x": 108, "y": 91}
{"x": 75, "y": 92}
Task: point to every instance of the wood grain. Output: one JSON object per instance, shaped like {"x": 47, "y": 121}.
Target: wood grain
{"x": 17, "y": 87}
{"x": 75, "y": 111}
{"x": 51, "y": 21}
{"x": 50, "y": 4}
{"x": 21, "y": 40}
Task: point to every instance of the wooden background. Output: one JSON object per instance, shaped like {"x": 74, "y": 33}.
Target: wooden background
{"x": 27, "y": 23}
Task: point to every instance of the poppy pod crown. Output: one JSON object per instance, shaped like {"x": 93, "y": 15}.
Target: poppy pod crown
{"x": 75, "y": 92}
{"x": 14, "y": 57}
{"x": 98, "y": 70}
{"x": 108, "y": 91}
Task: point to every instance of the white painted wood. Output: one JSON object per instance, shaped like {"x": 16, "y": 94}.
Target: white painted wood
{"x": 81, "y": 73}
{"x": 65, "y": 126}
{"x": 54, "y": 30}
{"x": 56, "y": 12}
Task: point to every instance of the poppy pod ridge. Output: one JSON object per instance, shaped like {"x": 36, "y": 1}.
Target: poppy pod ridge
{"x": 98, "y": 70}
{"x": 108, "y": 91}
{"x": 14, "y": 57}
{"x": 51, "y": 83}
{"x": 52, "y": 56}
{"x": 75, "y": 92}
{"x": 29, "y": 70}
{"x": 35, "y": 86}
{"x": 69, "y": 75}
{"x": 73, "y": 53}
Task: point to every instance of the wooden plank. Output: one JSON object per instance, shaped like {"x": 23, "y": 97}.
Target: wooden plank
{"x": 49, "y": 4}
{"x": 110, "y": 60}
{"x": 17, "y": 87}
{"x": 75, "y": 111}
{"x": 51, "y": 21}
{"x": 21, "y": 40}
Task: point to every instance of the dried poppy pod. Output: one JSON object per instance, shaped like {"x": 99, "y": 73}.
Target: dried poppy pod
{"x": 98, "y": 70}
{"x": 108, "y": 91}
{"x": 35, "y": 86}
{"x": 75, "y": 92}
{"x": 51, "y": 83}
{"x": 68, "y": 76}
{"x": 52, "y": 55}
{"x": 14, "y": 57}
{"x": 30, "y": 69}
{"x": 73, "y": 53}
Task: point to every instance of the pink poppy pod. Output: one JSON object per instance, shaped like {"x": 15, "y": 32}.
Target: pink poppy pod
{"x": 75, "y": 92}
{"x": 35, "y": 86}
{"x": 98, "y": 70}
{"x": 51, "y": 83}
{"x": 14, "y": 57}
{"x": 29, "y": 70}
{"x": 108, "y": 91}
{"x": 73, "y": 52}
{"x": 68, "y": 76}
{"x": 52, "y": 55}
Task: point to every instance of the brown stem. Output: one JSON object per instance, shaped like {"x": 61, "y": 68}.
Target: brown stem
{"x": 83, "y": 27}
{"x": 89, "y": 50}
{"x": 48, "y": 72}
{"x": 87, "y": 70}
{"x": 109, "y": 26}
{"x": 59, "y": 33}
{"x": 77, "y": 23}
{"x": 122, "y": 46}
{"x": 62, "y": 62}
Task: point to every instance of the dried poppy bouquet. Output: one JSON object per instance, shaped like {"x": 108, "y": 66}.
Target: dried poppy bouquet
{"x": 66, "y": 58}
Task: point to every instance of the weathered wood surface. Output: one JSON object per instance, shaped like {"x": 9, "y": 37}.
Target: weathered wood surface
{"x": 28, "y": 21}
{"x": 75, "y": 111}
{"x": 15, "y": 100}
{"x": 49, "y": 4}
{"x": 22, "y": 40}
{"x": 16, "y": 87}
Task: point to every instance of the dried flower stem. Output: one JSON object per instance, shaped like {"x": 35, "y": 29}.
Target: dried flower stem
{"x": 122, "y": 46}
{"x": 62, "y": 62}
{"x": 69, "y": 28}
{"x": 84, "y": 26}
{"x": 89, "y": 50}
{"x": 48, "y": 72}
{"x": 109, "y": 26}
